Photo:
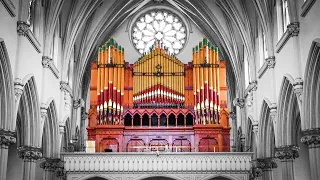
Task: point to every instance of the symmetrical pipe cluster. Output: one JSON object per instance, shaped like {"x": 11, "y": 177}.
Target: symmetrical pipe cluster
{"x": 206, "y": 86}
{"x": 110, "y": 85}
{"x": 158, "y": 79}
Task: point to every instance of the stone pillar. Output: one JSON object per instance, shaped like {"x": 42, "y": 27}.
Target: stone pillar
{"x": 311, "y": 138}
{"x": 266, "y": 165}
{"x": 50, "y": 166}
{"x": 287, "y": 154}
{"x": 233, "y": 117}
{"x": 83, "y": 125}
{"x": 29, "y": 155}
{"x": 6, "y": 139}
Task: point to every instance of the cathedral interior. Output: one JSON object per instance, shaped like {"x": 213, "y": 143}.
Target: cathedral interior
{"x": 159, "y": 89}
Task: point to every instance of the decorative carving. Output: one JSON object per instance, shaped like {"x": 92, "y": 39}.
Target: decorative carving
{"x": 29, "y": 153}
{"x": 233, "y": 115}
{"x": 239, "y": 102}
{"x": 77, "y": 103}
{"x": 253, "y": 85}
{"x": 294, "y": 28}
{"x": 44, "y": 112}
{"x": 311, "y": 137}
{"x": 267, "y": 163}
{"x": 51, "y": 164}
{"x": 7, "y": 137}
{"x": 273, "y": 113}
{"x": 18, "y": 88}
{"x": 255, "y": 172}
{"x": 298, "y": 88}
{"x": 287, "y": 152}
{"x": 64, "y": 86}
{"x": 250, "y": 99}
{"x": 84, "y": 115}
{"x": 61, "y": 129}
{"x": 22, "y": 28}
{"x": 46, "y": 61}
{"x": 271, "y": 62}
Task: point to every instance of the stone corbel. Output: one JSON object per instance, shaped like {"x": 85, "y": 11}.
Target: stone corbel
{"x": 271, "y": 62}
{"x": 61, "y": 129}
{"x": 266, "y": 163}
{"x": 23, "y": 29}
{"x": 64, "y": 86}
{"x": 18, "y": 88}
{"x": 287, "y": 152}
{"x": 78, "y": 103}
{"x": 84, "y": 116}
{"x": 29, "y": 153}
{"x": 239, "y": 102}
{"x": 7, "y": 138}
{"x": 233, "y": 115}
{"x": 311, "y": 137}
{"x": 298, "y": 88}
{"x": 273, "y": 113}
{"x": 47, "y": 62}
{"x": 294, "y": 28}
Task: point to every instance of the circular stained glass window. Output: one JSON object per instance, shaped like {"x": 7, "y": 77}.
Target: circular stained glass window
{"x": 162, "y": 26}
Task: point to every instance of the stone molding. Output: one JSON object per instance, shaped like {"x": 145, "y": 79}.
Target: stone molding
{"x": 271, "y": 62}
{"x": 9, "y": 7}
{"x": 22, "y": 28}
{"x": 47, "y": 62}
{"x": 293, "y": 30}
{"x": 287, "y": 152}
{"x": 311, "y": 137}
{"x": 18, "y": 88}
{"x": 7, "y": 138}
{"x": 239, "y": 102}
{"x": 266, "y": 163}
{"x": 298, "y": 88}
{"x": 29, "y": 153}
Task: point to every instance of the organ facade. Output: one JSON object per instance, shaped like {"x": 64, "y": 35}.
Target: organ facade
{"x": 158, "y": 103}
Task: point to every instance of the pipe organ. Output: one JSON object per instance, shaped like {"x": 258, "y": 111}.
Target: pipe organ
{"x": 158, "y": 80}
{"x": 158, "y": 103}
{"x": 110, "y": 83}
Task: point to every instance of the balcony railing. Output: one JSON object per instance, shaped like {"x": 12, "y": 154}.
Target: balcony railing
{"x": 160, "y": 162}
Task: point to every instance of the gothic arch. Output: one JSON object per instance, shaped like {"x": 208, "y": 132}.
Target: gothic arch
{"x": 311, "y": 89}
{"x": 288, "y": 111}
{"x": 50, "y": 146}
{"x": 266, "y": 132}
{"x": 6, "y": 90}
{"x": 28, "y": 114}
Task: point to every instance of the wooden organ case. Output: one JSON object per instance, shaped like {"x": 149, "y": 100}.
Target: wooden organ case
{"x": 159, "y": 103}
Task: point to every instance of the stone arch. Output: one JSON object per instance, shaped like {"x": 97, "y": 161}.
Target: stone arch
{"x": 266, "y": 132}
{"x": 28, "y": 114}
{"x": 7, "y": 120}
{"x": 311, "y": 89}
{"x": 288, "y": 110}
{"x": 50, "y": 133}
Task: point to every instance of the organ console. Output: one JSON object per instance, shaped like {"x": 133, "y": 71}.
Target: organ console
{"x": 158, "y": 101}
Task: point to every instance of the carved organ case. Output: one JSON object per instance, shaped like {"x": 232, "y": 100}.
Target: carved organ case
{"x": 158, "y": 103}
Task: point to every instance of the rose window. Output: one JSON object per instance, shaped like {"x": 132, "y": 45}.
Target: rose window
{"x": 162, "y": 26}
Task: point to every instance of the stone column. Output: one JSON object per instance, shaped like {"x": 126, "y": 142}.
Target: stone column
{"x": 311, "y": 138}
{"x": 83, "y": 125}
{"x": 233, "y": 134}
{"x": 266, "y": 165}
{"x": 287, "y": 154}
{"x": 6, "y": 139}
{"x": 50, "y": 166}
{"x": 29, "y": 155}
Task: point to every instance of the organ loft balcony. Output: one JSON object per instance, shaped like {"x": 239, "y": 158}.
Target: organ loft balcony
{"x": 158, "y": 116}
